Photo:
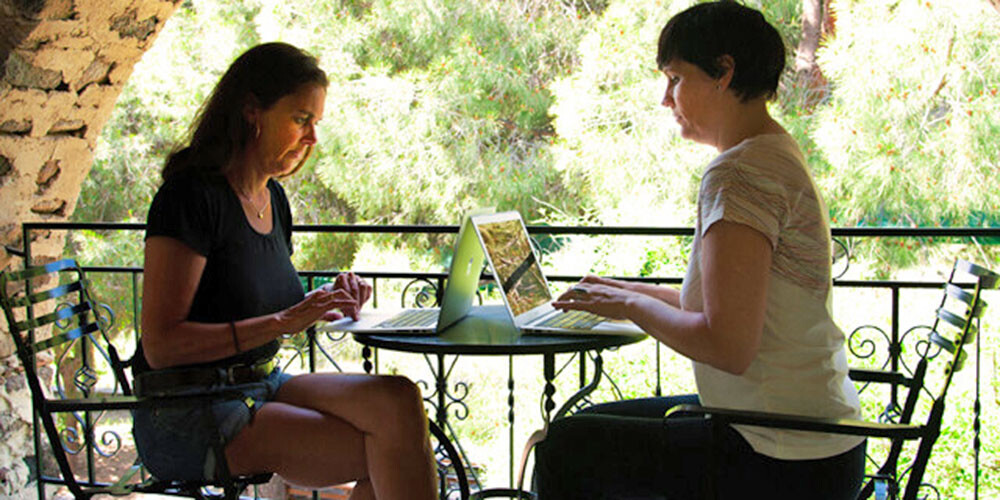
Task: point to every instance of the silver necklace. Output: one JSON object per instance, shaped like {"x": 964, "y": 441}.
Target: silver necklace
{"x": 259, "y": 211}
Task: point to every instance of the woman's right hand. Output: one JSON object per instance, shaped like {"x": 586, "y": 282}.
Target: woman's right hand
{"x": 598, "y": 280}
{"x": 312, "y": 308}
{"x": 666, "y": 294}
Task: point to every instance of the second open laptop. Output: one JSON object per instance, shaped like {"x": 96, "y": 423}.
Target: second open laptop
{"x": 459, "y": 292}
{"x": 525, "y": 290}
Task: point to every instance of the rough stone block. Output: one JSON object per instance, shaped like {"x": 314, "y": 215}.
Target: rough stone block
{"x": 96, "y": 72}
{"x": 48, "y": 173}
{"x": 20, "y": 73}
{"x": 68, "y": 126}
{"x": 58, "y": 10}
{"x": 130, "y": 26}
{"x": 49, "y": 207}
{"x": 98, "y": 96}
{"x": 70, "y": 62}
{"x": 19, "y": 127}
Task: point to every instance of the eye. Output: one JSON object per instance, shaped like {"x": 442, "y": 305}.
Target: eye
{"x": 673, "y": 79}
{"x": 301, "y": 120}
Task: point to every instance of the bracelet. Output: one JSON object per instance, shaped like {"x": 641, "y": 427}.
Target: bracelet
{"x": 236, "y": 340}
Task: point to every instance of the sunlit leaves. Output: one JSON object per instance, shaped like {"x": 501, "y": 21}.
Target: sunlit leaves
{"x": 907, "y": 129}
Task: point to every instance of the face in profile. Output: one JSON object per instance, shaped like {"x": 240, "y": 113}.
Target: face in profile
{"x": 288, "y": 130}
{"x": 691, "y": 94}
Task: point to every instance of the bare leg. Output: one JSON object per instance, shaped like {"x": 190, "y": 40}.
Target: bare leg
{"x": 304, "y": 446}
{"x": 327, "y": 429}
{"x": 363, "y": 491}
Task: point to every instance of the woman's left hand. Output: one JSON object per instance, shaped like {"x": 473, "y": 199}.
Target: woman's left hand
{"x": 608, "y": 301}
{"x": 356, "y": 287}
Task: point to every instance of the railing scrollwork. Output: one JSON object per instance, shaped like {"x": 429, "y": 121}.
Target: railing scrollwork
{"x": 870, "y": 345}
{"x": 419, "y": 293}
{"x": 841, "y": 258}
{"x": 442, "y": 399}
{"x": 862, "y": 344}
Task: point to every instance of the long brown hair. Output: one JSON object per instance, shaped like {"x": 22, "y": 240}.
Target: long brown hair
{"x": 261, "y": 76}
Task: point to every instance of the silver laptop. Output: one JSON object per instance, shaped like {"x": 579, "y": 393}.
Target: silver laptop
{"x": 523, "y": 286}
{"x": 459, "y": 292}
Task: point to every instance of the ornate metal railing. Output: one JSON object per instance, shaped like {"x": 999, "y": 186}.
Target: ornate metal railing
{"x": 873, "y": 345}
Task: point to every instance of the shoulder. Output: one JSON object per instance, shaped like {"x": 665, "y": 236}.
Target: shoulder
{"x": 192, "y": 185}
{"x": 280, "y": 198}
{"x": 771, "y": 163}
{"x": 771, "y": 156}
{"x": 283, "y": 207}
{"x": 190, "y": 207}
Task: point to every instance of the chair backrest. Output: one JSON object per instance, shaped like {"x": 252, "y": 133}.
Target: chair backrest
{"x": 955, "y": 326}
{"x": 54, "y": 321}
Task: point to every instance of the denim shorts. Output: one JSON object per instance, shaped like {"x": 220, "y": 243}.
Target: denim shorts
{"x": 176, "y": 443}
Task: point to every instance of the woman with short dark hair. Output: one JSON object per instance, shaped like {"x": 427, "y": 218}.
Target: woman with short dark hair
{"x": 219, "y": 289}
{"x": 753, "y": 313}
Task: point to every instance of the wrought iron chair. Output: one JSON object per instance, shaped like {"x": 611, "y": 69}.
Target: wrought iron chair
{"x": 959, "y": 312}
{"x": 70, "y": 411}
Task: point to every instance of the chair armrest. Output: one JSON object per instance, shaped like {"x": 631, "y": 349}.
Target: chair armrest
{"x": 802, "y": 423}
{"x": 99, "y": 403}
{"x": 94, "y": 404}
{"x": 882, "y": 377}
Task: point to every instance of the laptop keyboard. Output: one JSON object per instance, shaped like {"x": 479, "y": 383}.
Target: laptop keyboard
{"x": 411, "y": 318}
{"x": 581, "y": 320}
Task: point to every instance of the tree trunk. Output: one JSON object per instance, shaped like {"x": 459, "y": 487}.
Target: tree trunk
{"x": 810, "y": 84}
{"x": 812, "y": 28}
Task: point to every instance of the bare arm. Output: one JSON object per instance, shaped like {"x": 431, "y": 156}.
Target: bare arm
{"x": 172, "y": 271}
{"x": 735, "y": 268}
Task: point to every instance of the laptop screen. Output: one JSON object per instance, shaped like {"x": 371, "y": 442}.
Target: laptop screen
{"x": 518, "y": 272}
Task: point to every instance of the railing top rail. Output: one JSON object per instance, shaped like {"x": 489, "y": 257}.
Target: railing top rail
{"x": 899, "y": 284}
{"x": 543, "y": 229}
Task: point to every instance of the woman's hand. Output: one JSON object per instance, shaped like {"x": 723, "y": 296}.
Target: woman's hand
{"x": 598, "y": 280}
{"x": 356, "y": 287}
{"x": 666, "y": 294}
{"x": 317, "y": 305}
{"x": 600, "y": 296}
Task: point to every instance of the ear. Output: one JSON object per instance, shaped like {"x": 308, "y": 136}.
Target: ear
{"x": 251, "y": 110}
{"x": 727, "y": 66}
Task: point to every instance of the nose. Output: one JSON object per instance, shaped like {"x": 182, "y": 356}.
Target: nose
{"x": 668, "y": 99}
{"x": 310, "y": 137}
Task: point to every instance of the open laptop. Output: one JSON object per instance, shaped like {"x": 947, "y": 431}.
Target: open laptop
{"x": 523, "y": 286}
{"x": 459, "y": 292}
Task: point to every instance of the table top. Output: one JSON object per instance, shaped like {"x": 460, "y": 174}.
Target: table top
{"x": 488, "y": 330}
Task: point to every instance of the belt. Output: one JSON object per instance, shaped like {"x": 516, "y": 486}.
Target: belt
{"x": 175, "y": 379}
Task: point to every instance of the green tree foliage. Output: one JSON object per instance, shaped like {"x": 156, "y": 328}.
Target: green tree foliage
{"x": 909, "y": 134}
{"x": 552, "y": 108}
{"x": 445, "y": 107}
{"x": 907, "y": 137}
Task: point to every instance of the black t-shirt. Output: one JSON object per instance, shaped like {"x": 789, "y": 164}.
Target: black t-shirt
{"x": 247, "y": 273}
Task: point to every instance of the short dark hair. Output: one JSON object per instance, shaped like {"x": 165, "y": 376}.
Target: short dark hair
{"x": 261, "y": 76}
{"x": 705, "y": 32}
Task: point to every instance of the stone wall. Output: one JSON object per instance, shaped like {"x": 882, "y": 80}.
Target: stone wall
{"x": 63, "y": 64}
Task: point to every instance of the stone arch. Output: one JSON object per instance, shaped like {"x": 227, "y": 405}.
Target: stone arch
{"x": 63, "y": 64}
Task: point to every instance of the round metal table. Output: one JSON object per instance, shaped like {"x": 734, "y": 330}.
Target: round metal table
{"x": 489, "y": 331}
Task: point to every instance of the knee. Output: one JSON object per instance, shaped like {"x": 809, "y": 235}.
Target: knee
{"x": 396, "y": 395}
{"x": 566, "y": 432}
{"x": 564, "y": 438}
